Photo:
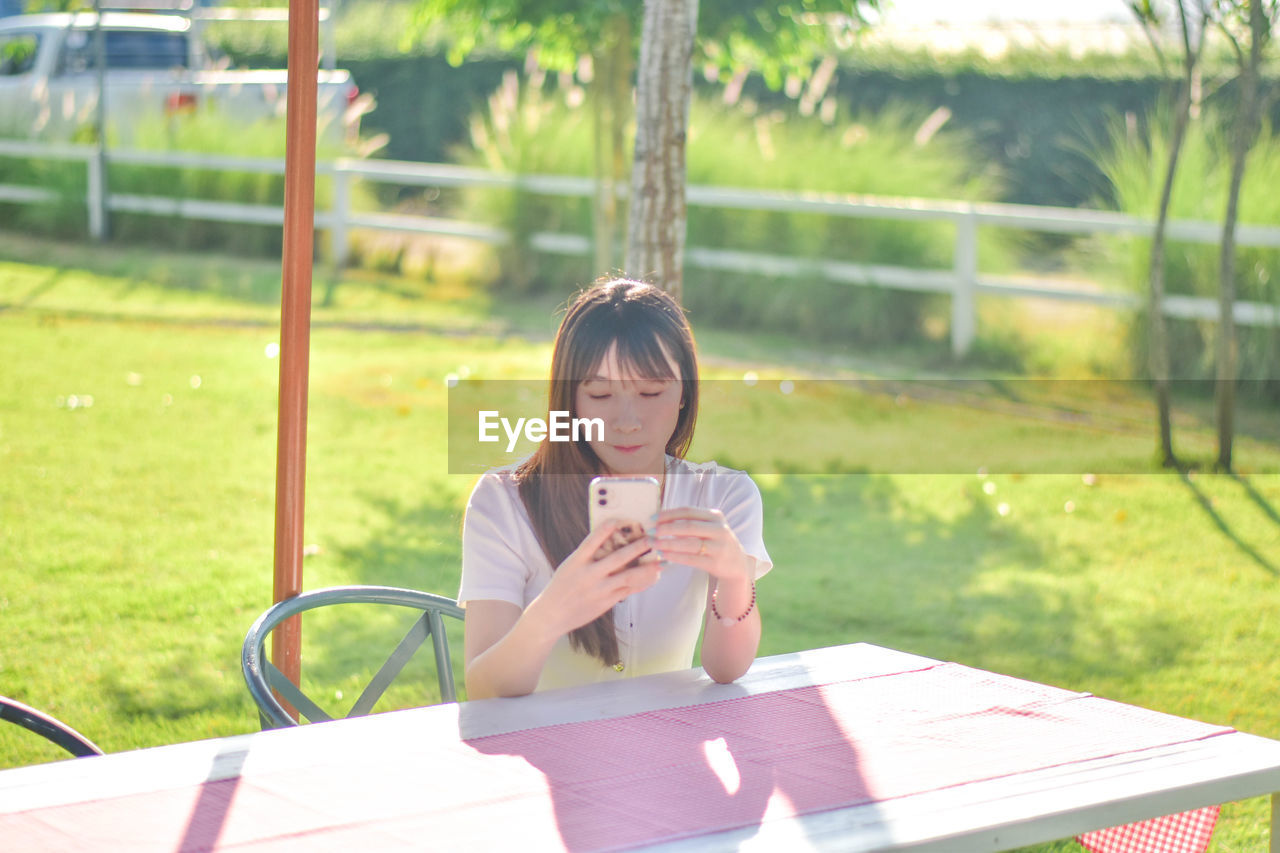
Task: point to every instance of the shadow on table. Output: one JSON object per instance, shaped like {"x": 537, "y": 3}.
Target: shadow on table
{"x": 684, "y": 772}
{"x": 209, "y": 814}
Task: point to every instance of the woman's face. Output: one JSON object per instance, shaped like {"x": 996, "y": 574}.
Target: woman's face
{"x": 639, "y": 414}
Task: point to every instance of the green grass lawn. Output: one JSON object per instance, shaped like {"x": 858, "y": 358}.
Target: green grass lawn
{"x": 136, "y": 532}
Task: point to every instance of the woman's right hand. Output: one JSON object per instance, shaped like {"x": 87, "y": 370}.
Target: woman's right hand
{"x": 583, "y": 588}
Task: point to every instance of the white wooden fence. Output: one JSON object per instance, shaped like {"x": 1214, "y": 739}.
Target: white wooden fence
{"x": 964, "y": 281}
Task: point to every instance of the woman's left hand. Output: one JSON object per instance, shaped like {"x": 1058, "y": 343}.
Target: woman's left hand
{"x": 701, "y": 538}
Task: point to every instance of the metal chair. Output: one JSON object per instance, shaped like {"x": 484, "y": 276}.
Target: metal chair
{"x": 47, "y": 727}
{"x": 262, "y": 676}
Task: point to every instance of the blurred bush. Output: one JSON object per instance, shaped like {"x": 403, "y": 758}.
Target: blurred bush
{"x": 1025, "y": 111}
{"x": 67, "y": 216}
{"x": 422, "y": 102}
{"x": 203, "y": 130}
{"x": 531, "y": 129}
{"x": 896, "y": 152}
{"x": 524, "y": 130}
{"x": 1133, "y": 159}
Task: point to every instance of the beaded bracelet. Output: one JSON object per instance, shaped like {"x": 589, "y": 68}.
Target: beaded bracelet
{"x": 725, "y": 620}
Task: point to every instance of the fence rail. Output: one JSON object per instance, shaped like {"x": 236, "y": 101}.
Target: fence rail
{"x": 963, "y": 282}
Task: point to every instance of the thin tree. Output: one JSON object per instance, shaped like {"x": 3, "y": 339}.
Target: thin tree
{"x": 562, "y": 34}
{"x": 1193, "y": 17}
{"x": 791, "y": 37}
{"x": 779, "y": 41}
{"x": 1256, "y": 18}
{"x": 655, "y": 237}
{"x": 611, "y": 114}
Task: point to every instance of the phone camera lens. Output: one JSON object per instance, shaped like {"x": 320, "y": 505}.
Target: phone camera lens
{"x": 601, "y": 490}
{"x": 602, "y": 502}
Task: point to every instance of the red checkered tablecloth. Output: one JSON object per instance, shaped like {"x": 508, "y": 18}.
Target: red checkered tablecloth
{"x": 1187, "y": 832}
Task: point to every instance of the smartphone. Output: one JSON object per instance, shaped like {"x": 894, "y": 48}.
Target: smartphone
{"x": 631, "y": 500}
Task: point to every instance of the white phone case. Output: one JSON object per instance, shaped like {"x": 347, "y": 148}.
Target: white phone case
{"x": 631, "y": 500}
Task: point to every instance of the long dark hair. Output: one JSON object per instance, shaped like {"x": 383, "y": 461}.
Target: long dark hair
{"x": 647, "y": 325}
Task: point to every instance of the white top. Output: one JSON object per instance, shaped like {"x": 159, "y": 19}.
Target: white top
{"x": 657, "y": 628}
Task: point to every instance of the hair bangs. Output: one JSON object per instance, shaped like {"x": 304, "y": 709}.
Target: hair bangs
{"x": 643, "y": 354}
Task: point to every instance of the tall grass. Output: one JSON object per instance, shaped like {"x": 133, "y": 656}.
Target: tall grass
{"x": 67, "y": 215}
{"x": 523, "y": 130}
{"x": 528, "y": 129}
{"x": 205, "y": 130}
{"x": 888, "y": 154}
{"x": 1133, "y": 161}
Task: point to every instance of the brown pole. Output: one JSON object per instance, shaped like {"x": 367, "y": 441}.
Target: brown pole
{"x": 295, "y": 321}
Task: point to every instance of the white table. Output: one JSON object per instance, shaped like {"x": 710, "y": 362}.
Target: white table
{"x": 364, "y": 782}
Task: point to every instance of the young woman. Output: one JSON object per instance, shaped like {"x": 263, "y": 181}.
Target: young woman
{"x": 542, "y": 611}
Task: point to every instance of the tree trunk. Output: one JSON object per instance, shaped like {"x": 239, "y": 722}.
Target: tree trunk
{"x": 604, "y": 208}
{"x": 656, "y": 232}
{"x": 1242, "y": 139}
{"x": 611, "y": 103}
{"x": 1158, "y": 341}
{"x": 1224, "y": 388}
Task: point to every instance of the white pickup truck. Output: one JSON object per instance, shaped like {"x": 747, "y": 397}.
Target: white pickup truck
{"x": 155, "y": 64}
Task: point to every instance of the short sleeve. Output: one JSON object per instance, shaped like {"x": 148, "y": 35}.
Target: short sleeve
{"x": 492, "y": 565}
{"x": 743, "y": 509}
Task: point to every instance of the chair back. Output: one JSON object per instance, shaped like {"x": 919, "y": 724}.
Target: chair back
{"x": 262, "y": 677}
{"x": 47, "y": 727}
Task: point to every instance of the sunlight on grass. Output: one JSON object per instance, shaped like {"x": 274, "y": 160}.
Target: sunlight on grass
{"x": 138, "y": 527}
